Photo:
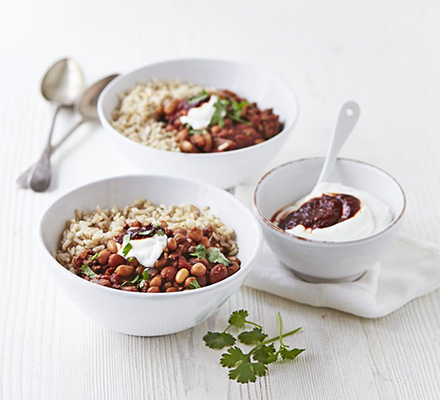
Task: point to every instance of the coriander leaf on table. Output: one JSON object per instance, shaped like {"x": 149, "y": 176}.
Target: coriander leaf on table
{"x": 218, "y": 340}
{"x": 216, "y": 256}
{"x": 86, "y": 270}
{"x": 265, "y": 354}
{"x": 232, "y": 357}
{"x": 238, "y": 318}
{"x": 244, "y": 371}
{"x": 254, "y": 336}
{"x": 287, "y": 354}
{"x": 200, "y": 252}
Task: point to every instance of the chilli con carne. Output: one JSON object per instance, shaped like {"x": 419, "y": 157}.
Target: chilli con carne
{"x": 191, "y": 259}
{"x": 233, "y": 122}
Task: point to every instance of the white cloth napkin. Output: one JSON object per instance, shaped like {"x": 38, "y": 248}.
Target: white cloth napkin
{"x": 410, "y": 269}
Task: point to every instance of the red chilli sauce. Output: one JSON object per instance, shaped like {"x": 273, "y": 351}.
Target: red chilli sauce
{"x": 320, "y": 212}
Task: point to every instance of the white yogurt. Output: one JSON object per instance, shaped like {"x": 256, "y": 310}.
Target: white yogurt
{"x": 372, "y": 217}
{"x": 200, "y": 117}
{"x": 147, "y": 250}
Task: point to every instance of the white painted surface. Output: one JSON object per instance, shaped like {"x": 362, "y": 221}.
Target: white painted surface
{"x": 382, "y": 54}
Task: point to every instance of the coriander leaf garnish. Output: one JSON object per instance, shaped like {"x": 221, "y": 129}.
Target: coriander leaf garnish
{"x": 246, "y": 367}
{"x": 254, "y": 336}
{"x": 160, "y": 232}
{"x": 86, "y": 270}
{"x": 203, "y": 95}
{"x": 200, "y": 252}
{"x": 126, "y": 246}
{"x": 218, "y": 340}
{"x": 216, "y": 256}
{"x": 146, "y": 233}
{"x": 194, "y": 285}
{"x": 237, "y": 111}
{"x": 94, "y": 257}
{"x": 145, "y": 275}
{"x": 221, "y": 108}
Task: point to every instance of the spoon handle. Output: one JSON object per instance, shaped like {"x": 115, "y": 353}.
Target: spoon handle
{"x": 23, "y": 179}
{"x": 348, "y": 116}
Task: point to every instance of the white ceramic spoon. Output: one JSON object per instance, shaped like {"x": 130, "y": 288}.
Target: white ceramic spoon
{"x": 348, "y": 116}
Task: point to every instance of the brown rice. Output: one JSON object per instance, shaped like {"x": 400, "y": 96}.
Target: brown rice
{"x": 135, "y": 116}
{"x": 91, "y": 230}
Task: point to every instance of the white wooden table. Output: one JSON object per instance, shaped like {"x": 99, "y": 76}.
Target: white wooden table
{"x": 385, "y": 55}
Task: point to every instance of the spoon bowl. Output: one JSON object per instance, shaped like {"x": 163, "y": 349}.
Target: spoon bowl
{"x": 63, "y": 82}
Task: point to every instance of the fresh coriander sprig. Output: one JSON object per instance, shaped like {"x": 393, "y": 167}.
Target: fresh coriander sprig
{"x": 246, "y": 367}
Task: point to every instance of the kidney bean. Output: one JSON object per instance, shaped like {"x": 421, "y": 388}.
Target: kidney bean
{"x": 168, "y": 273}
{"x": 161, "y": 262}
{"x": 134, "y": 262}
{"x": 233, "y": 268}
{"x": 125, "y": 271}
{"x": 198, "y": 269}
{"x": 156, "y": 281}
{"x": 203, "y": 280}
{"x": 187, "y": 147}
{"x": 218, "y": 273}
{"x": 139, "y": 270}
{"x": 189, "y": 280}
{"x": 234, "y": 259}
{"x": 172, "y": 289}
{"x": 183, "y": 263}
{"x": 111, "y": 245}
{"x": 204, "y": 241}
{"x": 182, "y": 135}
{"x": 215, "y": 129}
{"x": 208, "y": 143}
{"x": 198, "y": 140}
{"x": 183, "y": 231}
{"x": 103, "y": 256}
{"x": 170, "y": 106}
{"x": 181, "y": 275}
{"x": 115, "y": 260}
{"x": 136, "y": 224}
{"x": 195, "y": 234}
{"x": 166, "y": 286}
{"x": 153, "y": 289}
{"x": 172, "y": 244}
{"x": 153, "y": 271}
{"x": 179, "y": 238}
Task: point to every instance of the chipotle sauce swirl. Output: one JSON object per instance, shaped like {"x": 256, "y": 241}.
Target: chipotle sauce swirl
{"x": 321, "y": 212}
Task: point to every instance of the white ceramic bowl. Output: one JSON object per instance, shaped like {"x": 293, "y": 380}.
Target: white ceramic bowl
{"x": 150, "y": 314}
{"x": 221, "y": 169}
{"x": 318, "y": 261}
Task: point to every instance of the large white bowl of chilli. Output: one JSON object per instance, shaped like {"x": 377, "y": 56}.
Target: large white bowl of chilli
{"x": 255, "y": 112}
{"x": 331, "y": 255}
{"x": 126, "y": 296}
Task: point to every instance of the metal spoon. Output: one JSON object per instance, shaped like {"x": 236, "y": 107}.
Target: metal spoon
{"x": 86, "y": 107}
{"x": 61, "y": 85}
{"x": 348, "y": 116}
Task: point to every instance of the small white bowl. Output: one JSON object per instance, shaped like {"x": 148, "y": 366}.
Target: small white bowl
{"x": 150, "y": 314}
{"x": 225, "y": 169}
{"x": 325, "y": 261}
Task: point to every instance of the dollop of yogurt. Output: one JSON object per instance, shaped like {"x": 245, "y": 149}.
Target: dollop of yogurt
{"x": 147, "y": 250}
{"x": 200, "y": 117}
{"x": 371, "y": 217}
